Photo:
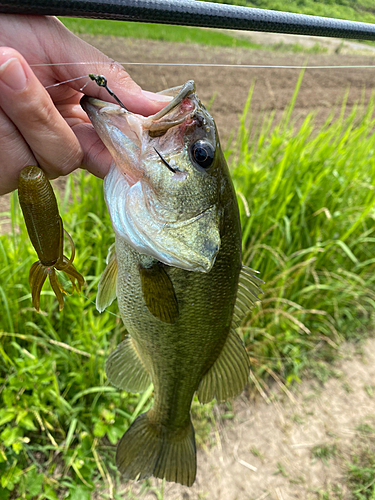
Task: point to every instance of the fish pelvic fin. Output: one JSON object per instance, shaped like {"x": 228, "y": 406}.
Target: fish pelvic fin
{"x": 247, "y": 294}
{"x": 149, "y": 449}
{"x": 229, "y": 374}
{"x": 158, "y": 293}
{"x": 125, "y": 369}
{"x": 108, "y": 282}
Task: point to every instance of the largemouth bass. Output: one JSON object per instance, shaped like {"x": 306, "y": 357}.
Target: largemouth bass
{"x": 177, "y": 274}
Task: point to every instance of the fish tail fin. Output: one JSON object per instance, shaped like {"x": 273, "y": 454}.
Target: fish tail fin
{"x": 148, "y": 449}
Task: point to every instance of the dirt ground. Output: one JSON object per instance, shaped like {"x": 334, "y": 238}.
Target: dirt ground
{"x": 266, "y": 451}
{"x": 320, "y": 91}
{"x": 269, "y": 450}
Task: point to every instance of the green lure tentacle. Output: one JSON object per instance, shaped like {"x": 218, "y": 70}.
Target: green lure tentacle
{"x": 46, "y": 231}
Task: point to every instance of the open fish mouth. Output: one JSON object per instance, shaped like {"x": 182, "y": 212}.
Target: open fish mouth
{"x": 105, "y": 116}
{"x": 159, "y": 201}
{"x": 127, "y": 134}
{"x": 180, "y": 92}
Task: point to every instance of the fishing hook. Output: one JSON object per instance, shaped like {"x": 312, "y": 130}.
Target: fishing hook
{"x": 102, "y": 82}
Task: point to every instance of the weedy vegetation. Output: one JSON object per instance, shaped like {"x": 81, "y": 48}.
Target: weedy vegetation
{"x": 353, "y": 10}
{"x": 161, "y": 32}
{"x": 178, "y": 34}
{"x": 360, "y": 465}
{"x": 324, "y": 452}
{"x": 310, "y": 193}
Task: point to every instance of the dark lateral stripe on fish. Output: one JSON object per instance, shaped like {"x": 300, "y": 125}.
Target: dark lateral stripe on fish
{"x": 180, "y": 312}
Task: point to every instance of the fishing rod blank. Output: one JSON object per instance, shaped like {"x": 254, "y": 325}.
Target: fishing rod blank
{"x": 194, "y": 13}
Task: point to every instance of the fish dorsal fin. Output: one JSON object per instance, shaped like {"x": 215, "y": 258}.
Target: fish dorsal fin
{"x": 158, "y": 293}
{"x": 228, "y": 376}
{"x": 247, "y": 294}
{"x": 125, "y": 369}
{"x": 108, "y": 282}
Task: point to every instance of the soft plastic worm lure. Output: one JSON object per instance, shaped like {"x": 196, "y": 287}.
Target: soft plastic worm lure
{"x": 45, "y": 228}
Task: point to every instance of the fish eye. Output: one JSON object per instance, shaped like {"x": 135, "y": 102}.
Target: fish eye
{"x": 203, "y": 153}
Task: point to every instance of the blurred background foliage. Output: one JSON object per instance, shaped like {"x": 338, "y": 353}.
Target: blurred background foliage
{"x": 306, "y": 196}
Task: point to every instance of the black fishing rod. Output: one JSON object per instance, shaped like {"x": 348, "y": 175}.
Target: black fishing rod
{"x": 194, "y": 13}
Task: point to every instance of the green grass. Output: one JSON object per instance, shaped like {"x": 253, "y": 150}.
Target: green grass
{"x": 311, "y": 235}
{"x": 297, "y": 48}
{"x": 56, "y": 404}
{"x": 161, "y": 32}
{"x": 324, "y": 452}
{"x": 170, "y": 33}
{"x": 352, "y": 10}
{"x": 361, "y": 475}
{"x": 360, "y": 467}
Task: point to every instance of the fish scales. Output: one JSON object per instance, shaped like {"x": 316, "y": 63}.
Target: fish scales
{"x": 175, "y": 270}
{"x": 206, "y": 304}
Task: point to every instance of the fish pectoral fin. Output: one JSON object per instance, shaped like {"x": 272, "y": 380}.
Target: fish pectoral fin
{"x": 125, "y": 369}
{"x": 247, "y": 294}
{"x": 228, "y": 376}
{"x": 158, "y": 293}
{"x": 150, "y": 449}
{"x": 108, "y": 282}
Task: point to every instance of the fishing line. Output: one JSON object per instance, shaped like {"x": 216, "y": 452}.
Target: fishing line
{"x": 82, "y": 88}
{"x": 209, "y": 65}
{"x": 67, "y": 81}
{"x": 265, "y": 66}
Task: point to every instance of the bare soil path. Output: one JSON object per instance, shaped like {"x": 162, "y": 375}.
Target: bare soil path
{"x": 279, "y": 437}
{"x": 272, "y": 448}
{"x": 284, "y": 438}
{"x": 321, "y": 89}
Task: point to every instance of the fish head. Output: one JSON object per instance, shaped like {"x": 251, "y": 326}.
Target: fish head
{"x": 165, "y": 185}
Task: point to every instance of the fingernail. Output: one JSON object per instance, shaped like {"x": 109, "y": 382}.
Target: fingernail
{"x": 13, "y": 75}
{"x": 156, "y": 97}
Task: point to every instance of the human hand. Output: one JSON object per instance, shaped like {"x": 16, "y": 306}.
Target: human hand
{"x": 49, "y": 128}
